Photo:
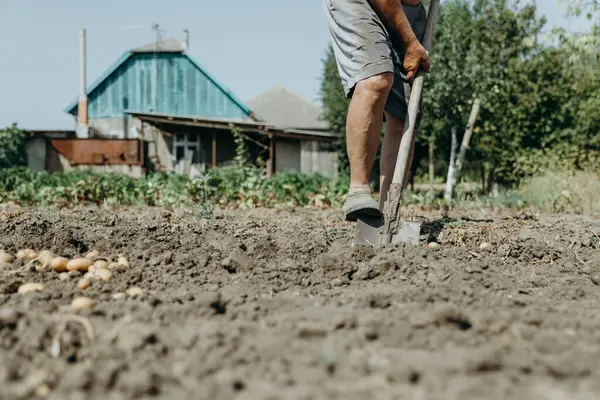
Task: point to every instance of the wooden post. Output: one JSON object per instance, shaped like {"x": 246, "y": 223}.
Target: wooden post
{"x": 431, "y": 166}
{"x": 271, "y": 165}
{"x": 141, "y": 140}
{"x": 214, "y": 150}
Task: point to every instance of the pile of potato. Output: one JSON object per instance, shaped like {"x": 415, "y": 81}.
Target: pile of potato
{"x": 92, "y": 266}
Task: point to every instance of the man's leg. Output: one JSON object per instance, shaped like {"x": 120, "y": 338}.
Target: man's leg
{"x": 363, "y": 127}
{"x": 389, "y": 154}
{"x": 366, "y": 66}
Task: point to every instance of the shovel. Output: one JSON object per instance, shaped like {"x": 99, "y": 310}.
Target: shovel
{"x": 391, "y": 229}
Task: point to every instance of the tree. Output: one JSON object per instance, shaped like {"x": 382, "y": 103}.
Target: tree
{"x": 13, "y": 151}
{"x": 335, "y": 106}
{"x": 447, "y": 90}
{"x": 589, "y": 8}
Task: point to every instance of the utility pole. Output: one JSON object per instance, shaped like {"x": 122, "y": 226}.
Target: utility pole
{"x": 156, "y": 29}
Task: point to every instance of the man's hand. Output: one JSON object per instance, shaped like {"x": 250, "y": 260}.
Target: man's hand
{"x": 392, "y": 13}
{"x": 415, "y": 57}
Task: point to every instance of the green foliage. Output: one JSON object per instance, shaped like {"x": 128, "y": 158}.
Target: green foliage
{"x": 247, "y": 185}
{"x": 589, "y": 8}
{"x": 228, "y": 187}
{"x": 335, "y": 106}
{"x": 13, "y": 152}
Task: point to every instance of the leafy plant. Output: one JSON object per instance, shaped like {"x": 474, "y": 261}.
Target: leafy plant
{"x": 13, "y": 152}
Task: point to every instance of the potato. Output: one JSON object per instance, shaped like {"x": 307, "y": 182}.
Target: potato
{"x": 30, "y": 287}
{"x": 104, "y": 275}
{"x": 83, "y": 284}
{"x": 433, "y": 245}
{"x": 119, "y": 295}
{"x": 42, "y": 390}
{"x": 134, "y": 291}
{"x": 89, "y": 275}
{"x": 79, "y": 264}
{"x": 113, "y": 265}
{"x": 45, "y": 257}
{"x": 123, "y": 261}
{"x": 82, "y": 303}
{"x": 485, "y": 246}
{"x": 59, "y": 264}
{"x": 101, "y": 264}
{"x": 26, "y": 254}
{"x": 6, "y": 258}
{"x": 92, "y": 255}
{"x": 63, "y": 276}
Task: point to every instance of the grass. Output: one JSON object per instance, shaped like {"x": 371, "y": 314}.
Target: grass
{"x": 562, "y": 192}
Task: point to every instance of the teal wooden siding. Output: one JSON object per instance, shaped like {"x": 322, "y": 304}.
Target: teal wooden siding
{"x": 184, "y": 88}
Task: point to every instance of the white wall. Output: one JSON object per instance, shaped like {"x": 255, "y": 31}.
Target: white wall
{"x": 318, "y": 157}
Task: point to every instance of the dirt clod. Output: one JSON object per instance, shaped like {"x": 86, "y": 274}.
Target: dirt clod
{"x": 8, "y": 316}
{"x": 134, "y": 291}
{"x": 237, "y": 261}
{"x": 485, "y": 246}
{"x": 451, "y": 314}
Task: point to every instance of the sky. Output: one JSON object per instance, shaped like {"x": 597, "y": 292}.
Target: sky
{"x": 248, "y": 46}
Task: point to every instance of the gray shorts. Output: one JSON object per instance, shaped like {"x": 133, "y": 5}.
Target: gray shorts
{"x": 364, "y": 47}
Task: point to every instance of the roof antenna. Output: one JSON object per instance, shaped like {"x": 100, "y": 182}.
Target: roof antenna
{"x": 186, "y": 39}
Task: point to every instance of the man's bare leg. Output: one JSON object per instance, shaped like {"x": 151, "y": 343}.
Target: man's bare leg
{"x": 363, "y": 130}
{"x": 389, "y": 154}
{"x": 363, "y": 126}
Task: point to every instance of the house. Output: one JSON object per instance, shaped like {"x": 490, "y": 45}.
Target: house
{"x": 284, "y": 108}
{"x": 184, "y": 118}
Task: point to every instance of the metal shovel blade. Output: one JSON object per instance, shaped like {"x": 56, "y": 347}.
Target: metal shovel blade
{"x": 369, "y": 232}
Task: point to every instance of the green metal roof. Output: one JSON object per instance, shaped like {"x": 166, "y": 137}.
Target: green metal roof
{"x": 71, "y": 108}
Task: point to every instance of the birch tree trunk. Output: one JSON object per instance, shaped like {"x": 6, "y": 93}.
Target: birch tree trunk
{"x": 449, "y": 185}
{"x": 466, "y": 139}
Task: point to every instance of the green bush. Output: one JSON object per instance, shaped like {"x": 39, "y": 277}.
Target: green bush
{"x": 229, "y": 186}
{"x": 13, "y": 152}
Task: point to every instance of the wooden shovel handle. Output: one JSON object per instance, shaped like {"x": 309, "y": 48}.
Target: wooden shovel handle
{"x": 415, "y": 100}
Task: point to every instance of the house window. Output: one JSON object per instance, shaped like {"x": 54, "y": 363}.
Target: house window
{"x": 186, "y": 145}
{"x": 179, "y": 152}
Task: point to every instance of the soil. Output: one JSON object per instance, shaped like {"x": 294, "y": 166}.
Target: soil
{"x": 275, "y": 304}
